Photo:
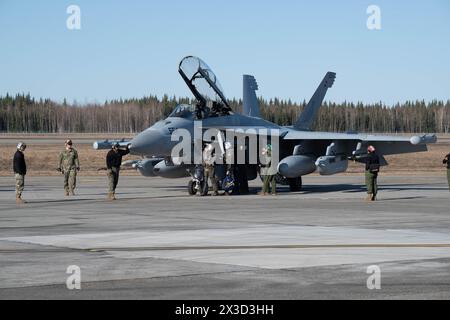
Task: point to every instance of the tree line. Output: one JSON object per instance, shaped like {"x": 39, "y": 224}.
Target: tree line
{"x": 25, "y": 114}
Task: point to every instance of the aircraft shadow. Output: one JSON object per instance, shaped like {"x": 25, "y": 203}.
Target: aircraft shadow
{"x": 351, "y": 188}
{"x": 405, "y": 198}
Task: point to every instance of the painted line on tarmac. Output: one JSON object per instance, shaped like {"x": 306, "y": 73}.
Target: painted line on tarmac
{"x": 253, "y": 247}
{"x": 293, "y": 246}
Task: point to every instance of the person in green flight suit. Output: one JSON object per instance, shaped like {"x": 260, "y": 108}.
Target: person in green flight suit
{"x": 69, "y": 165}
{"x": 268, "y": 171}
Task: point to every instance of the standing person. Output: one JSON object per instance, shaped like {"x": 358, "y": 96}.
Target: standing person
{"x": 242, "y": 178}
{"x": 209, "y": 163}
{"x": 113, "y": 163}
{"x": 268, "y": 172}
{"x": 69, "y": 165}
{"x": 372, "y": 161}
{"x": 447, "y": 161}
{"x": 240, "y": 172}
{"x": 20, "y": 170}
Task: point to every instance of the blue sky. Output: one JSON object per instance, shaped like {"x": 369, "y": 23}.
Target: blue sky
{"x": 132, "y": 48}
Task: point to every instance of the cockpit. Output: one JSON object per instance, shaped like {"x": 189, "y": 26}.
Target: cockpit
{"x": 205, "y": 86}
{"x": 185, "y": 111}
{"x": 194, "y": 112}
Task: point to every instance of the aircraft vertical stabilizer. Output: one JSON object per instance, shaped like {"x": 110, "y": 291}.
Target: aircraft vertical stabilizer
{"x": 250, "y": 101}
{"x": 306, "y": 119}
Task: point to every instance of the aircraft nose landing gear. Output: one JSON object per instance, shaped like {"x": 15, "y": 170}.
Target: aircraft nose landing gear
{"x": 198, "y": 183}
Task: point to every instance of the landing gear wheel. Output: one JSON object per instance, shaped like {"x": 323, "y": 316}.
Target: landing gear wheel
{"x": 295, "y": 184}
{"x": 191, "y": 188}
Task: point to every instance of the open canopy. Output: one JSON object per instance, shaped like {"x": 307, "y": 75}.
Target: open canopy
{"x": 201, "y": 80}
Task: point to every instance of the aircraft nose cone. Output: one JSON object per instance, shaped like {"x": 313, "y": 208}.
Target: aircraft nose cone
{"x": 150, "y": 143}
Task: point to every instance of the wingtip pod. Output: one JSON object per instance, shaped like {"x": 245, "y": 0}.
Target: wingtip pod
{"x": 101, "y": 145}
{"x": 107, "y": 144}
{"x": 425, "y": 139}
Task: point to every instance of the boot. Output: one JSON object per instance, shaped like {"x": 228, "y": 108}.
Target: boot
{"x": 110, "y": 196}
{"x": 67, "y": 193}
{"x": 374, "y": 197}
{"x": 369, "y": 197}
{"x": 113, "y": 196}
{"x": 19, "y": 200}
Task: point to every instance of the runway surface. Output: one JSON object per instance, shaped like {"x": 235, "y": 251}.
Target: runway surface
{"x": 156, "y": 242}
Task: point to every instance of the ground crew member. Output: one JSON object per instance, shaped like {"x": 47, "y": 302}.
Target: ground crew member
{"x": 20, "y": 170}
{"x": 240, "y": 173}
{"x": 268, "y": 172}
{"x": 209, "y": 164}
{"x": 372, "y": 161}
{"x": 447, "y": 161}
{"x": 69, "y": 165}
{"x": 113, "y": 163}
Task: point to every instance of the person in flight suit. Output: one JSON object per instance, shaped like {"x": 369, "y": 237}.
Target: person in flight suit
{"x": 20, "y": 170}
{"x": 447, "y": 162}
{"x": 267, "y": 171}
{"x": 113, "y": 163}
{"x": 69, "y": 165}
{"x": 208, "y": 160}
{"x": 372, "y": 161}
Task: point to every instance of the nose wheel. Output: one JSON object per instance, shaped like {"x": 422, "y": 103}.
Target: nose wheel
{"x": 195, "y": 187}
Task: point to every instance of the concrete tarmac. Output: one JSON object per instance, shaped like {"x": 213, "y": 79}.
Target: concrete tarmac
{"x": 156, "y": 242}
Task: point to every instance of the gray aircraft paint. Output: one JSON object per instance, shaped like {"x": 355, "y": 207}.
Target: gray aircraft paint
{"x": 295, "y": 140}
{"x": 249, "y": 99}
{"x": 306, "y": 119}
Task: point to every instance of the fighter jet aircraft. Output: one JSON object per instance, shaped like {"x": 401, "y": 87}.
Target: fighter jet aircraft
{"x": 301, "y": 150}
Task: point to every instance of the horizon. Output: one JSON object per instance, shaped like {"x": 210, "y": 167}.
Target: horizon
{"x": 178, "y": 98}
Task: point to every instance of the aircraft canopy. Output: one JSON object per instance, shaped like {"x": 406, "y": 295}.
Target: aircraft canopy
{"x": 201, "y": 80}
{"x": 185, "y": 111}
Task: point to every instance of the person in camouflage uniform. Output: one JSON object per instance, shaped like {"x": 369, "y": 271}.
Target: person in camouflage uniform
{"x": 69, "y": 165}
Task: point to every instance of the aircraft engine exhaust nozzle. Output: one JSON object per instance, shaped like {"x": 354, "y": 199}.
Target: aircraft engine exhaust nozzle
{"x": 425, "y": 139}
{"x": 296, "y": 166}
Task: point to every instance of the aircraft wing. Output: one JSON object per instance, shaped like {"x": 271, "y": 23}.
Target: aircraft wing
{"x": 384, "y": 144}
{"x": 357, "y": 142}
